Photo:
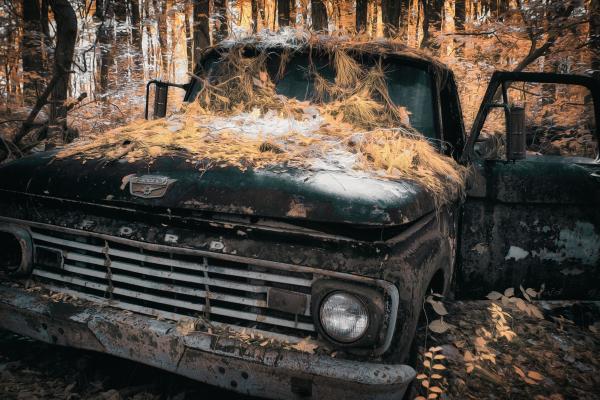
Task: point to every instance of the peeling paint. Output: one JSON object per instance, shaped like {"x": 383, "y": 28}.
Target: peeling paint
{"x": 516, "y": 253}
{"x": 581, "y": 244}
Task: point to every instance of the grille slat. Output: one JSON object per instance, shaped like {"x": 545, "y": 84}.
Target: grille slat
{"x": 165, "y": 314}
{"x": 165, "y": 286}
{"x": 178, "y": 276}
{"x": 176, "y": 263}
{"x": 219, "y": 289}
{"x": 173, "y": 302}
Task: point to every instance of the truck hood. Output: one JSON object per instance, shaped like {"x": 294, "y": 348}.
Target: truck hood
{"x": 329, "y": 196}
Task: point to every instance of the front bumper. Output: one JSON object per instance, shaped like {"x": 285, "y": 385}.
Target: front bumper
{"x": 228, "y": 362}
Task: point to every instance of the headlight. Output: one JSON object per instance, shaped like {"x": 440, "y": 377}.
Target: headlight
{"x": 344, "y": 317}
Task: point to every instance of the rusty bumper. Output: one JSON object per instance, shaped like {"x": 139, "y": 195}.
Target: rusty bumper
{"x": 222, "y": 361}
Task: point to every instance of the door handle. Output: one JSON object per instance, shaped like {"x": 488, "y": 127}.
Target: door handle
{"x": 595, "y": 175}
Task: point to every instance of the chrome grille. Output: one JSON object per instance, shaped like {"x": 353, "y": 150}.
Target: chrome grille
{"x": 173, "y": 285}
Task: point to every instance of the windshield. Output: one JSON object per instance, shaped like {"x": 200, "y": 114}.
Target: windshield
{"x": 408, "y": 86}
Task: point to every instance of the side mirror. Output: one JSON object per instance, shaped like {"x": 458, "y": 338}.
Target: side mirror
{"x": 516, "y": 145}
{"x": 161, "y": 94}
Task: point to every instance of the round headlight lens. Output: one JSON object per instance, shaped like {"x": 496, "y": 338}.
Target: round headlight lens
{"x": 344, "y": 317}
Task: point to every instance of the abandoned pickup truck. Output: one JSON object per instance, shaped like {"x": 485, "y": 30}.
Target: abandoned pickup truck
{"x": 121, "y": 255}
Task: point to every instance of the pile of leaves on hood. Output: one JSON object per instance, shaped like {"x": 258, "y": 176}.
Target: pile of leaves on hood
{"x": 351, "y": 124}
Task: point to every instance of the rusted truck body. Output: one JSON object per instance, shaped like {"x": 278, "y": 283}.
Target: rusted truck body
{"x": 115, "y": 257}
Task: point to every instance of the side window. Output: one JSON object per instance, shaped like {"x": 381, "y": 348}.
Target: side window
{"x": 559, "y": 121}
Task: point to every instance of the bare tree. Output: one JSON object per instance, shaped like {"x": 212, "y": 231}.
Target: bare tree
{"x": 425, "y": 4}
{"x": 136, "y": 23}
{"x": 33, "y": 37}
{"x": 319, "y": 15}
{"x": 544, "y": 30}
{"x": 66, "y": 35}
{"x": 460, "y": 13}
{"x": 283, "y": 12}
{"x": 390, "y": 12}
{"x": 201, "y": 28}
{"x": 254, "y": 6}
{"x": 220, "y": 13}
{"x": 594, "y": 36}
{"x": 104, "y": 12}
{"x": 361, "y": 15}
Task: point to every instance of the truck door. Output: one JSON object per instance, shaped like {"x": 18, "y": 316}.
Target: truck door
{"x": 533, "y": 218}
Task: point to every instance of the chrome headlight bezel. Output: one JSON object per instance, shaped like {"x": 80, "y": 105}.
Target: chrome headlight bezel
{"x": 25, "y": 243}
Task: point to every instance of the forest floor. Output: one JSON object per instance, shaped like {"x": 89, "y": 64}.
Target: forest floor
{"x": 551, "y": 358}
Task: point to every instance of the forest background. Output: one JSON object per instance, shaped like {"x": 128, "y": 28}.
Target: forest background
{"x": 116, "y": 46}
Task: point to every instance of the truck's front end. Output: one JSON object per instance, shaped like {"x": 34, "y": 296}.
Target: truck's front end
{"x": 281, "y": 282}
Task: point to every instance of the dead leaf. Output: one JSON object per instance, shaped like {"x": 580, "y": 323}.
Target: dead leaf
{"x": 531, "y": 292}
{"x": 439, "y": 326}
{"x": 519, "y": 371}
{"x": 494, "y": 295}
{"x": 535, "y": 375}
{"x": 468, "y": 357}
{"x": 306, "y": 346}
{"x": 438, "y": 307}
{"x": 510, "y": 292}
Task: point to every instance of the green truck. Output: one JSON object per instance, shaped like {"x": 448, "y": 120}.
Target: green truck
{"x": 266, "y": 261}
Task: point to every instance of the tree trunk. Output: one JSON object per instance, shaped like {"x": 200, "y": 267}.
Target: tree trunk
{"x": 105, "y": 42}
{"x": 45, "y": 24}
{"x": 100, "y": 8}
{"x": 390, "y": 12}
{"x": 189, "y": 36}
{"x": 594, "y": 38}
{"x": 283, "y": 13}
{"x": 254, "y": 6}
{"x": 362, "y": 7}
{"x": 460, "y": 14}
{"x": 221, "y": 27}
{"x": 293, "y": 12}
{"x": 201, "y": 28}
{"x": 31, "y": 49}
{"x": 136, "y": 23}
{"x": 426, "y": 12}
{"x": 435, "y": 14}
{"x": 319, "y": 15}
{"x": 163, "y": 40}
{"x": 66, "y": 35}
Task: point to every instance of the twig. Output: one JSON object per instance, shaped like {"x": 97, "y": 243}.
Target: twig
{"x": 41, "y": 102}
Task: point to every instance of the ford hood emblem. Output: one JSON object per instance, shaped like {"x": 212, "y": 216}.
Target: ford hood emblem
{"x": 149, "y": 186}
